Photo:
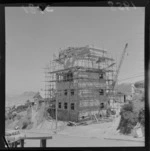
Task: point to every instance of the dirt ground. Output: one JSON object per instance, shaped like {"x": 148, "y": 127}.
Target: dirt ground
{"x": 98, "y": 134}
{"x": 93, "y": 135}
{"x": 75, "y": 141}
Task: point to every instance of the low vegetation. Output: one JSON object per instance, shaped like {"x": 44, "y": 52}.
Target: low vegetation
{"x": 18, "y": 116}
{"x": 131, "y": 114}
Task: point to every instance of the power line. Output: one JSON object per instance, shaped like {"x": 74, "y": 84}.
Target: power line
{"x": 130, "y": 77}
{"x": 140, "y": 73}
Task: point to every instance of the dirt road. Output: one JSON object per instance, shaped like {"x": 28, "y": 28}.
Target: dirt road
{"x": 73, "y": 141}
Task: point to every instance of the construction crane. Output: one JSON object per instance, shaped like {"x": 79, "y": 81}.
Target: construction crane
{"x": 120, "y": 63}
{"x": 117, "y": 73}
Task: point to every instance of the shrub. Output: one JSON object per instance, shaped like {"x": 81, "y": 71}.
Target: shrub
{"x": 18, "y": 117}
{"x": 129, "y": 118}
{"x": 127, "y": 107}
{"x": 139, "y": 84}
{"x": 113, "y": 112}
{"x": 30, "y": 126}
{"x": 21, "y": 108}
{"x": 141, "y": 117}
{"x": 24, "y": 125}
{"x": 127, "y": 122}
{"x": 108, "y": 112}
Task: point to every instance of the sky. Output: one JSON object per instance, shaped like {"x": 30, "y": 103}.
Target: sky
{"x": 33, "y": 37}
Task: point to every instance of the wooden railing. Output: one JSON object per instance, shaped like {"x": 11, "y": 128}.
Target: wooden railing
{"x": 43, "y": 141}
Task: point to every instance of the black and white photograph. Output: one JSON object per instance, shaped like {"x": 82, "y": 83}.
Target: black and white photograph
{"x": 75, "y": 76}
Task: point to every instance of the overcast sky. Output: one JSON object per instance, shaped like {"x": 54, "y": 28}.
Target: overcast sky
{"x": 32, "y": 38}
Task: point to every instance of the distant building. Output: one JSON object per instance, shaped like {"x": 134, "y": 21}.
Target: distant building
{"x": 126, "y": 89}
{"x": 120, "y": 98}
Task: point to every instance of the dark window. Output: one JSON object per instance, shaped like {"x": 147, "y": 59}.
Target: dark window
{"x": 101, "y": 92}
{"x": 65, "y": 92}
{"x": 101, "y": 76}
{"x": 72, "y": 106}
{"x": 65, "y": 77}
{"x": 70, "y": 76}
{"x": 59, "y": 105}
{"x": 83, "y": 117}
{"x": 72, "y": 91}
{"x": 65, "y": 105}
{"x": 124, "y": 98}
{"x": 102, "y": 105}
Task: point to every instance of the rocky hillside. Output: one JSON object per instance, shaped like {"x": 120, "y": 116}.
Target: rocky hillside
{"x": 126, "y": 87}
{"x": 19, "y": 99}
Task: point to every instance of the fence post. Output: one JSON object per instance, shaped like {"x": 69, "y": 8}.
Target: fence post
{"x": 16, "y": 143}
{"x": 43, "y": 143}
{"x": 22, "y": 142}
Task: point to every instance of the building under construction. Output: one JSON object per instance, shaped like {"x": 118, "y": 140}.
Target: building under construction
{"x": 80, "y": 80}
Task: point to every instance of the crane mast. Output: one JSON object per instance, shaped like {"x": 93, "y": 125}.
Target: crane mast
{"x": 120, "y": 63}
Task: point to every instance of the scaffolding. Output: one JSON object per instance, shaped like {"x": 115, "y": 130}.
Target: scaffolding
{"x": 85, "y": 71}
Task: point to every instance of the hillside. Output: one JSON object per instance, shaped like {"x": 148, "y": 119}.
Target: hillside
{"x": 126, "y": 87}
{"x": 19, "y": 99}
{"x": 139, "y": 84}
